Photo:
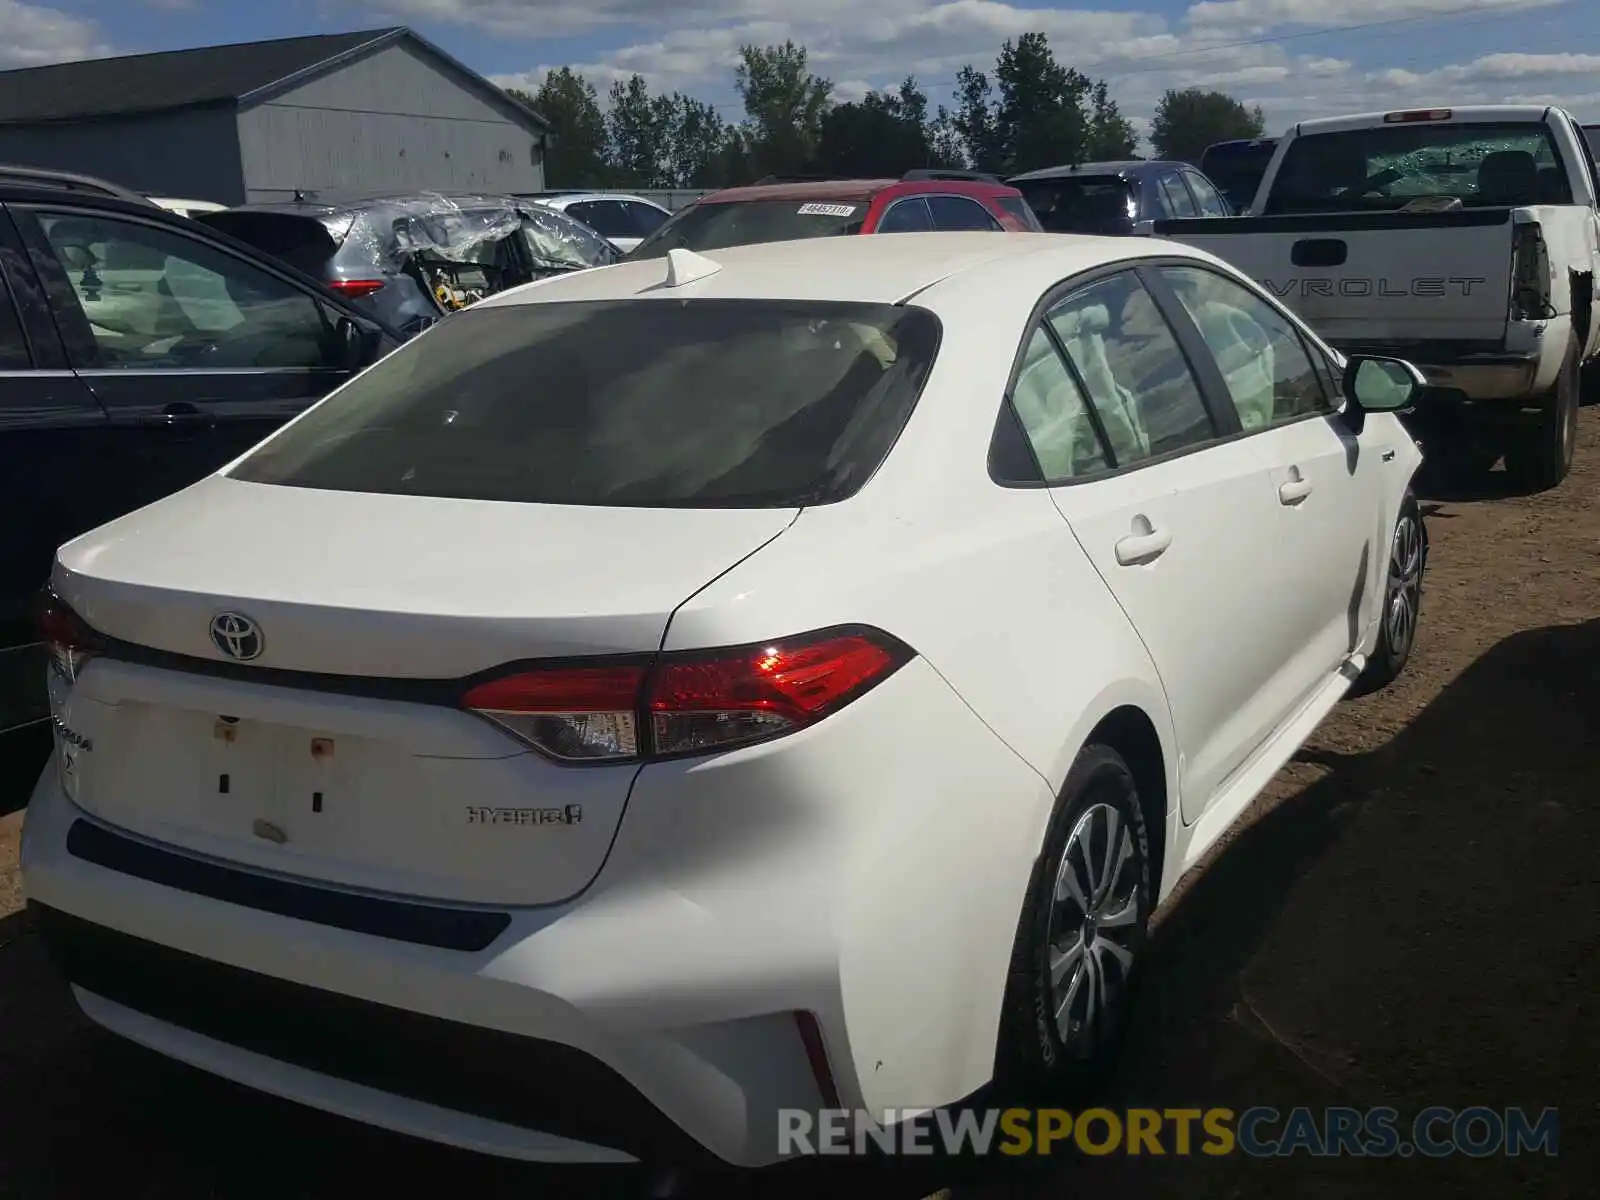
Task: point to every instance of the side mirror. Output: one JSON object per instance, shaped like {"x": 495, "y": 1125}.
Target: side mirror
{"x": 1381, "y": 384}
{"x": 358, "y": 344}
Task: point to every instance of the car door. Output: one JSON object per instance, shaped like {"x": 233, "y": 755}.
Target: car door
{"x": 1326, "y": 476}
{"x": 1180, "y": 521}
{"x": 195, "y": 352}
{"x": 54, "y": 459}
{"x": 952, "y": 213}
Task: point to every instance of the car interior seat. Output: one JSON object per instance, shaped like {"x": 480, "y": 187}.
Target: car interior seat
{"x": 1508, "y": 177}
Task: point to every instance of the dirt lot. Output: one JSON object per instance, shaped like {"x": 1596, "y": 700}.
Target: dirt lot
{"x": 1414, "y": 919}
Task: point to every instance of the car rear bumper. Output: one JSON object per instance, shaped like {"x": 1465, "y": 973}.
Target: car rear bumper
{"x": 868, "y": 872}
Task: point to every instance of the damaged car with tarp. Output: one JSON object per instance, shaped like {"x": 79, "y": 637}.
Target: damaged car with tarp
{"x": 412, "y": 259}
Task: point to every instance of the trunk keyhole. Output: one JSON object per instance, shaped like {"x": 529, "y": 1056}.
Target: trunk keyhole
{"x": 222, "y": 784}
{"x": 316, "y": 802}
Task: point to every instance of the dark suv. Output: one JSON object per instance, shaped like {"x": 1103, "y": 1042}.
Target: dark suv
{"x": 139, "y": 352}
{"x": 1118, "y": 199}
{"x": 411, "y": 258}
{"x": 794, "y": 207}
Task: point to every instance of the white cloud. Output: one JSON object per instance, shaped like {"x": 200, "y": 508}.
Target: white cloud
{"x": 1271, "y": 14}
{"x": 32, "y": 35}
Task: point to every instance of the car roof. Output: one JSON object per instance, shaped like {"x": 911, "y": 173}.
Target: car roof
{"x": 853, "y": 189}
{"x": 561, "y": 199}
{"x": 886, "y": 270}
{"x": 1125, "y": 168}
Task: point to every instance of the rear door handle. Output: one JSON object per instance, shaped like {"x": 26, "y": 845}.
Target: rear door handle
{"x": 1139, "y": 548}
{"x": 1294, "y": 491}
{"x": 182, "y": 415}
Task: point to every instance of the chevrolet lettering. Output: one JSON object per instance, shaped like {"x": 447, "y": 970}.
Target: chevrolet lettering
{"x": 1354, "y": 287}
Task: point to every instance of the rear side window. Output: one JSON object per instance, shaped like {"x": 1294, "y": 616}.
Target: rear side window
{"x": 1175, "y": 197}
{"x": 748, "y": 222}
{"x": 641, "y": 403}
{"x": 646, "y": 218}
{"x": 606, "y": 217}
{"x": 14, "y": 354}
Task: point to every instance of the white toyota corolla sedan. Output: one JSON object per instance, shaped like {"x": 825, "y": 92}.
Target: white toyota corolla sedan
{"x": 677, "y": 692}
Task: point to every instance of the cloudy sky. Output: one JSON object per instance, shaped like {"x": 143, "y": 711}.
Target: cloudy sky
{"x": 1296, "y": 58}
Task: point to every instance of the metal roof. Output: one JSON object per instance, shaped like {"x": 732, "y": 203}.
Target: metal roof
{"x": 241, "y": 73}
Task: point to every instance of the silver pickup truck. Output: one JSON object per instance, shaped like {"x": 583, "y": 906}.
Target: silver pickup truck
{"x": 1464, "y": 240}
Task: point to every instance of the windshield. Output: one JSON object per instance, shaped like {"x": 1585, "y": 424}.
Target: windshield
{"x": 643, "y": 403}
{"x": 1081, "y": 203}
{"x": 746, "y": 222}
{"x": 1237, "y": 171}
{"x": 1392, "y": 166}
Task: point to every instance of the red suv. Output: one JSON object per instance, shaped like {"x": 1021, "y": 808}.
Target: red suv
{"x": 787, "y": 209}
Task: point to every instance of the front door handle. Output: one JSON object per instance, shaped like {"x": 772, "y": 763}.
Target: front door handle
{"x": 1294, "y": 490}
{"x": 1143, "y": 546}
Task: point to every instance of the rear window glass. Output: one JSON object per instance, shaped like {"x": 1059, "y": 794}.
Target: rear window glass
{"x": 747, "y": 222}
{"x": 1079, "y": 203}
{"x": 1393, "y": 166}
{"x": 639, "y": 403}
{"x": 303, "y": 242}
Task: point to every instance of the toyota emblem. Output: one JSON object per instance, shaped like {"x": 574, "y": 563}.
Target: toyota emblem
{"x": 237, "y": 636}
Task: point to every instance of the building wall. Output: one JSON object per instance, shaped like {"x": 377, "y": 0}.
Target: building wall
{"x": 394, "y": 121}
{"x": 193, "y": 155}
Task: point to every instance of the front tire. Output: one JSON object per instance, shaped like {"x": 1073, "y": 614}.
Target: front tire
{"x": 1540, "y": 457}
{"x": 1402, "y": 599}
{"x": 1082, "y": 935}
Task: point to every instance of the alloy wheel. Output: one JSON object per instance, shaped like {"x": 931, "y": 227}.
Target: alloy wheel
{"x": 1405, "y": 585}
{"x": 1095, "y": 921}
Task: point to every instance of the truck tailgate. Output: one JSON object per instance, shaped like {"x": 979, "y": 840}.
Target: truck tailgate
{"x": 1373, "y": 277}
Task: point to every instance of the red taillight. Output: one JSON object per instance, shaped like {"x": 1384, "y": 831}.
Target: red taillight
{"x": 688, "y": 703}
{"x": 70, "y": 640}
{"x": 355, "y": 288}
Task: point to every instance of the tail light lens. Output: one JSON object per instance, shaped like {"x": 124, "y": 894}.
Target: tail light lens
{"x": 70, "y": 641}
{"x": 688, "y": 703}
{"x": 1530, "y": 274}
{"x": 356, "y": 288}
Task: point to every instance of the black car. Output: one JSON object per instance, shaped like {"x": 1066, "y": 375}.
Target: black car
{"x": 1118, "y": 198}
{"x": 139, "y": 352}
{"x": 411, "y": 258}
{"x": 1237, "y": 167}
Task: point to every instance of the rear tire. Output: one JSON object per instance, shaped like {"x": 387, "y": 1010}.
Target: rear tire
{"x": 1540, "y": 457}
{"x": 1081, "y": 938}
{"x": 1402, "y": 600}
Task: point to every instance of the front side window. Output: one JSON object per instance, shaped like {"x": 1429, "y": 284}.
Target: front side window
{"x": 645, "y": 218}
{"x": 606, "y": 217}
{"x": 1129, "y": 359}
{"x": 1211, "y": 203}
{"x": 156, "y": 299}
{"x": 1270, "y": 376}
{"x": 1176, "y": 196}
{"x": 715, "y": 403}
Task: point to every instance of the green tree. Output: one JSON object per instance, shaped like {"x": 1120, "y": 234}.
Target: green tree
{"x": 1111, "y": 136}
{"x": 1186, "y": 122}
{"x": 694, "y": 140}
{"x": 784, "y": 106}
{"x": 1036, "y": 113}
{"x": 638, "y": 134}
{"x": 578, "y": 154}
{"x": 883, "y": 133}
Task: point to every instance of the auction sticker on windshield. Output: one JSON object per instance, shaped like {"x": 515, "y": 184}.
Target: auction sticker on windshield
{"x": 826, "y": 210}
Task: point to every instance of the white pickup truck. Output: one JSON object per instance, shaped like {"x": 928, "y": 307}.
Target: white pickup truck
{"x": 1465, "y": 240}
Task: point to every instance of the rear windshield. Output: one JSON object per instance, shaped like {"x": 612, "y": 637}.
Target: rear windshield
{"x": 639, "y": 403}
{"x": 747, "y": 222}
{"x": 1392, "y": 166}
{"x": 1238, "y": 170}
{"x": 301, "y": 241}
{"x": 1079, "y": 203}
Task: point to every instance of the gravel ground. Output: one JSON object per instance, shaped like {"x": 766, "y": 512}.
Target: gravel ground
{"x": 1411, "y": 918}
